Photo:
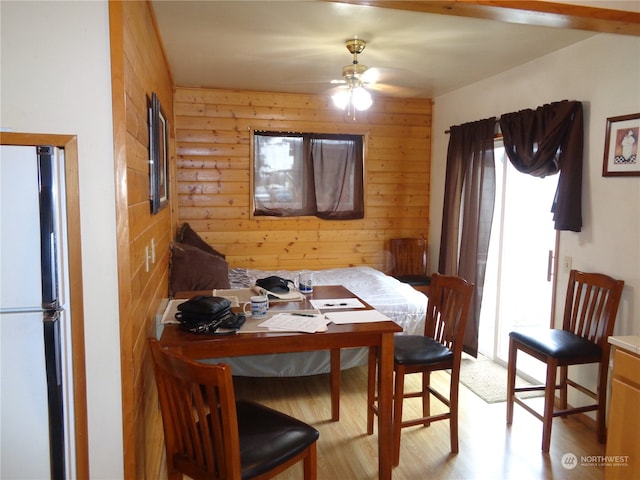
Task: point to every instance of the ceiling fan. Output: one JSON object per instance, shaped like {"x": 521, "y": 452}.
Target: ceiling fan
{"x": 355, "y": 76}
{"x": 358, "y": 79}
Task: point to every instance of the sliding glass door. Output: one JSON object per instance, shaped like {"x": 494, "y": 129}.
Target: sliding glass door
{"x": 518, "y": 284}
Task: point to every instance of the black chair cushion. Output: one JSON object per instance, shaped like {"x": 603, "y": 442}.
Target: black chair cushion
{"x": 558, "y": 343}
{"x": 419, "y": 350}
{"x": 415, "y": 279}
{"x": 269, "y": 438}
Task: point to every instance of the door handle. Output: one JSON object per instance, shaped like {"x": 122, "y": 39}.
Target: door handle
{"x": 549, "y": 265}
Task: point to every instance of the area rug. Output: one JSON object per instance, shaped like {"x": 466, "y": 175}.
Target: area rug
{"x": 488, "y": 380}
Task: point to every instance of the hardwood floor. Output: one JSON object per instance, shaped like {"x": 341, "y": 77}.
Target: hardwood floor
{"x": 489, "y": 450}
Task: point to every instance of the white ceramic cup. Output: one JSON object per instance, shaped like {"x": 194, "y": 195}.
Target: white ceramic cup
{"x": 259, "y": 306}
{"x": 304, "y": 281}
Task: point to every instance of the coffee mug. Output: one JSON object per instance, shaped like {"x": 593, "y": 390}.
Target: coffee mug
{"x": 304, "y": 281}
{"x": 258, "y": 304}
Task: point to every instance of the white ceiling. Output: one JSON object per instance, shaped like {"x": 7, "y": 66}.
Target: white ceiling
{"x": 298, "y": 46}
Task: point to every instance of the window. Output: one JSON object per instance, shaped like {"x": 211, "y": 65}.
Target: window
{"x": 297, "y": 174}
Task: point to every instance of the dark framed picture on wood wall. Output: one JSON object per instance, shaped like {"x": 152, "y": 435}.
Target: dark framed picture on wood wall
{"x": 621, "y": 146}
{"x": 158, "y": 150}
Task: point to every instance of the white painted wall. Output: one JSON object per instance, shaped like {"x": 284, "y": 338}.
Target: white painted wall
{"x": 603, "y": 72}
{"x": 56, "y": 78}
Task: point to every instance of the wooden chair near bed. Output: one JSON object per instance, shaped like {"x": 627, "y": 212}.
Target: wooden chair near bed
{"x": 241, "y": 440}
{"x": 409, "y": 262}
{"x": 440, "y": 348}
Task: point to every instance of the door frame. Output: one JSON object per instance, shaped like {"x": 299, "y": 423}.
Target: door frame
{"x": 69, "y": 144}
{"x": 554, "y": 282}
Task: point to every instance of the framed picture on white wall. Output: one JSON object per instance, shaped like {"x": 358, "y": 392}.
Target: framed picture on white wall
{"x": 621, "y": 146}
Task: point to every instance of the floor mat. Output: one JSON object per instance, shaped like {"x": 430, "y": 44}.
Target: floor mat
{"x": 488, "y": 380}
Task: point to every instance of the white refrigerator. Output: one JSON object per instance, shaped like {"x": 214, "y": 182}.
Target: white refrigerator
{"x": 36, "y": 410}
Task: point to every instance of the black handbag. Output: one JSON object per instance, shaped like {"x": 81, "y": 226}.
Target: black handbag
{"x": 206, "y": 314}
{"x": 274, "y": 284}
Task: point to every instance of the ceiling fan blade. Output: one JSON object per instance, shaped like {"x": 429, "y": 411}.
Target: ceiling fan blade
{"x": 370, "y": 76}
{"x": 394, "y": 90}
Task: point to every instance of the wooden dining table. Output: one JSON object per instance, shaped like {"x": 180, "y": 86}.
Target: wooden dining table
{"x": 377, "y": 334}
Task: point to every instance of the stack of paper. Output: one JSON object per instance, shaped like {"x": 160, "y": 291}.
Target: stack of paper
{"x": 292, "y": 295}
{"x": 296, "y": 322}
{"x": 169, "y": 315}
{"x": 237, "y": 296}
{"x": 358, "y": 316}
{"x": 332, "y": 303}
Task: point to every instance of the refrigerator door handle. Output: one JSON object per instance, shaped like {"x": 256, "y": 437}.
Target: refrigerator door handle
{"x": 19, "y": 310}
{"x": 52, "y": 307}
{"x": 54, "y": 392}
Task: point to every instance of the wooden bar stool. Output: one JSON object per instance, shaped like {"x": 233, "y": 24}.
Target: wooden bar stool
{"x": 440, "y": 348}
{"x": 590, "y": 312}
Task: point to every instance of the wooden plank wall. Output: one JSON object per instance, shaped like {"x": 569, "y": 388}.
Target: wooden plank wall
{"x": 139, "y": 68}
{"x": 213, "y": 147}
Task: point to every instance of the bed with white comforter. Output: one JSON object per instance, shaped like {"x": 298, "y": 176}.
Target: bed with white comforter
{"x": 397, "y": 300}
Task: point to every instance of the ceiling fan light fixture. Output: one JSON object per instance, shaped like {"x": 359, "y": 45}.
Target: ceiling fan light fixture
{"x": 341, "y": 99}
{"x": 361, "y": 99}
{"x": 355, "y": 97}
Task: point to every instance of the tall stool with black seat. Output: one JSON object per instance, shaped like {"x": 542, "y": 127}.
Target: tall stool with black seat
{"x": 440, "y": 348}
{"x": 208, "y": 435}
{"x": 409, "y": 262}
{"x": 590, "y": 312}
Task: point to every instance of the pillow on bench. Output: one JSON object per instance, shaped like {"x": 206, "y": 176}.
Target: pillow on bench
{"x": 192, "y": 268}
{"x": 188, "y": 236}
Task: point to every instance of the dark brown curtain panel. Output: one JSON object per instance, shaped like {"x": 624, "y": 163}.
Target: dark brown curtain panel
{"x": 546, "y": 141}
{"x": 469, "y": 197}
{"x": 338, "y": 177}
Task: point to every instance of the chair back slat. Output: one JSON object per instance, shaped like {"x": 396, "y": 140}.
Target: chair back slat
{"x": 199, "y": 416}
{"x": 409, "y": 256}
{"x": 592, "y": 305}
{"x": 448, "y": 310}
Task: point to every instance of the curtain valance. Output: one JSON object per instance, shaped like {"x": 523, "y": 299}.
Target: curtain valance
{"x": 546, "y": 141}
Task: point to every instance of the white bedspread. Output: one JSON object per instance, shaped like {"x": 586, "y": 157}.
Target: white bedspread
{"x": 395, "y": 299}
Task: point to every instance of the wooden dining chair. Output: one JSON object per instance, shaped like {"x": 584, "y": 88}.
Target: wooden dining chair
{"x": 208, "y": 435}
{"x": 440, "y": 348}
{"x": 590, "y": 312}
{"x": 409, "y": 262}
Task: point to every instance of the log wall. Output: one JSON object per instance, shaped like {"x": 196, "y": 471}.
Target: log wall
{"x": 213, "y": 182}
{"x": 139, "y": 68}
